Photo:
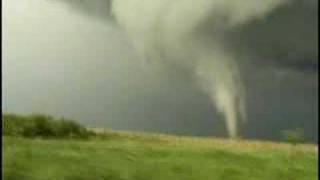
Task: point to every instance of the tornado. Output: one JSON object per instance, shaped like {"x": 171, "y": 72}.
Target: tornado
{"x": 221, "y": 44}
{"x": 166, "y": 30}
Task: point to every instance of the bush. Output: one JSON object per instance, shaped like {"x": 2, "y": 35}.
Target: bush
{"x": 41, "y": 126}
{"x": 295, "y": 136}
{"x": 70, "y": 129}
{"x": 13, "y": 124}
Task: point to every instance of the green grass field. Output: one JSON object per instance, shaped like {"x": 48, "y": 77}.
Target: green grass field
{"x": 138, "y": 156}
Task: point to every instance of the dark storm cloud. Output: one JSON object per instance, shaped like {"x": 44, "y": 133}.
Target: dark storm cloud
{"x": 100, "y": 9}
{"x": 287, "y": 37}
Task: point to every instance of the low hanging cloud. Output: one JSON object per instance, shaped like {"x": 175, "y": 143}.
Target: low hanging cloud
{"x": 284, "y": 37}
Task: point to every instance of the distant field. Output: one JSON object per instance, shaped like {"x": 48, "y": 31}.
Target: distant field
{"x": 138, "y": 156}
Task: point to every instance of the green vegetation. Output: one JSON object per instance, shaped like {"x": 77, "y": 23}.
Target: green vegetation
{"x": 294, "y": 136}
{"x": 41, "y": 126}
{"x": 116, "y": 155}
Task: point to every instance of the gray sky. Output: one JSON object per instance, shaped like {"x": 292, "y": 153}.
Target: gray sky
{"x": 73, "y": 60}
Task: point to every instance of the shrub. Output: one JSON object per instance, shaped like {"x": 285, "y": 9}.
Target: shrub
{"x": 13, "y": 124}
{"x": 41, "y": 126}
{"x": 295, "y": 136}
{"x": 68, "y": 128}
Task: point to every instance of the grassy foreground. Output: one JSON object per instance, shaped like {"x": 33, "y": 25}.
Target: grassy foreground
{"x": 136, "y": 156}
